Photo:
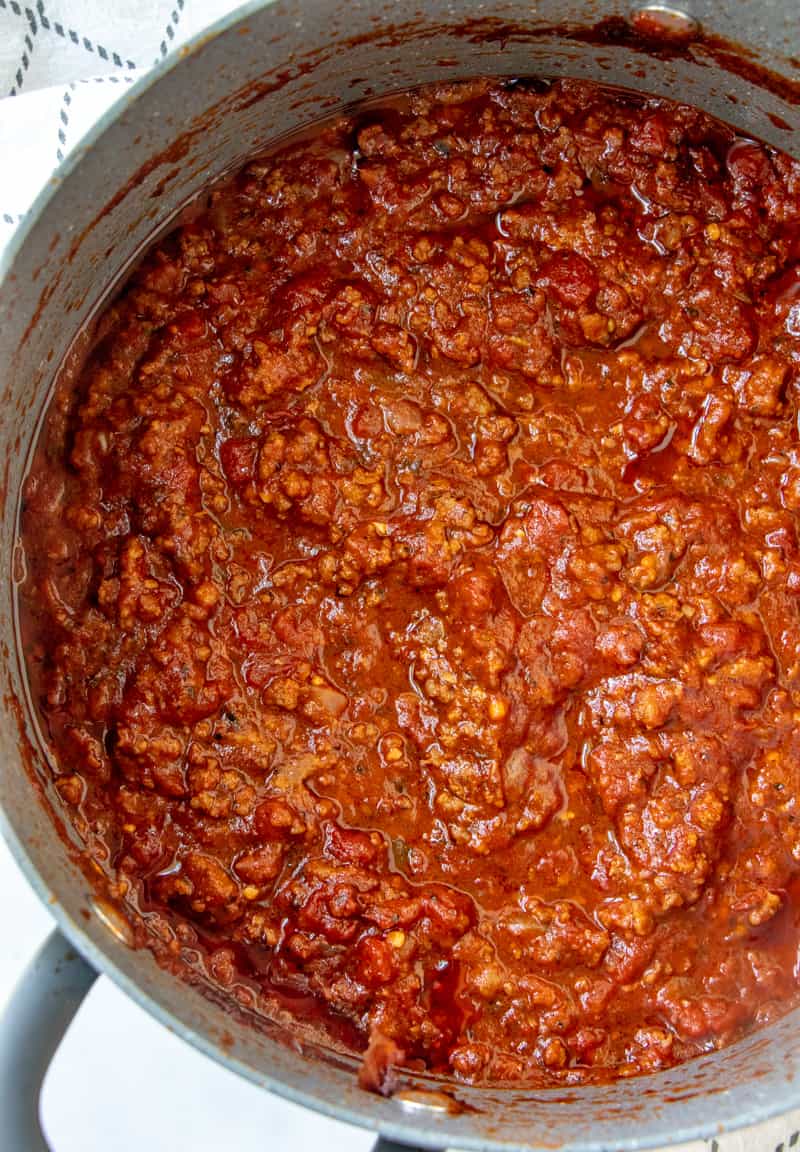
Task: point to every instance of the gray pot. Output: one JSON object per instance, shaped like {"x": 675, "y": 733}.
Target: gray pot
{"x": 255, "y": 76}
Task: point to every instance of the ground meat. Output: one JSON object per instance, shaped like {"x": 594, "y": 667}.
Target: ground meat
{"x": 412, "y": 580}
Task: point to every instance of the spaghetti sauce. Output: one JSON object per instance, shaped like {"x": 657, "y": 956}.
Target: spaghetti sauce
{"x": 413, "y": 579}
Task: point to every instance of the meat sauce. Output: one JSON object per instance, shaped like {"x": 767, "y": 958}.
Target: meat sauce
{"x": 412, "y": 583}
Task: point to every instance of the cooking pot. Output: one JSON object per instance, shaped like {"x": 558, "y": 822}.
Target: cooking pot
{"x": 262, "y": 72}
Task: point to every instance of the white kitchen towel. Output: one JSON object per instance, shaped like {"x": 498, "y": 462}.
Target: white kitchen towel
{"x": 62, "y": 63}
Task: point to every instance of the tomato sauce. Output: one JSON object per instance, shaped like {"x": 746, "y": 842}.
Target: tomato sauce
{"x": 413, "y": 575}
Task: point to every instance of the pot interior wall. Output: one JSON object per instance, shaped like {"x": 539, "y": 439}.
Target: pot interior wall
{"x": 277, "y": 68}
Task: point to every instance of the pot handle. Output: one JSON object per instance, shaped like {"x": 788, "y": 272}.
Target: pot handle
{"x": 384, "y": 1145}
{"x": 36, "y": 1017}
